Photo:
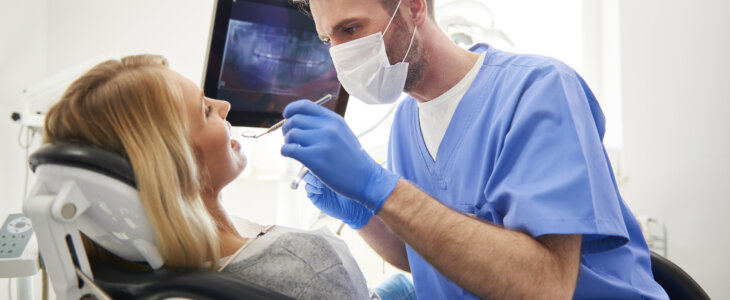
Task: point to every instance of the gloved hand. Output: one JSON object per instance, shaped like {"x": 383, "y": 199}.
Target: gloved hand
{"x": 334, "y": 205}
{"x": 321, "y": 140}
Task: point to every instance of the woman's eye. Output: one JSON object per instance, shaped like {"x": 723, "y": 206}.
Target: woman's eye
{"x": 208, "y": 109}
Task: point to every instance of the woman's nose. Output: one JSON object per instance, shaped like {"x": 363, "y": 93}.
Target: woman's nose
{"x": 224, "y": 108}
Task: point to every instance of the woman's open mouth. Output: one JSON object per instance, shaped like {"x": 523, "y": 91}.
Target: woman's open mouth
{"x": 235, "y": 145}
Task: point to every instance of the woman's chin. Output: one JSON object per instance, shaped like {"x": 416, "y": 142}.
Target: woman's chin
{"x": 243, "y": 167}
{"x": 243, "y": 161}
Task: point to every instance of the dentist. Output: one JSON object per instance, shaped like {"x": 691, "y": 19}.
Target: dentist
{"x": 497, "y": 186}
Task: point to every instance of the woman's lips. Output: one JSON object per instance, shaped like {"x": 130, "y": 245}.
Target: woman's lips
{"x": 235, "y": 145}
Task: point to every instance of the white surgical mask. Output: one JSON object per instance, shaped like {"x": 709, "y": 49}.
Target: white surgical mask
{"x": 364, "y": 70}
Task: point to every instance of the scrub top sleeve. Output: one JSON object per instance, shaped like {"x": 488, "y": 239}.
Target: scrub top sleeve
{"x": 552, "y": 175}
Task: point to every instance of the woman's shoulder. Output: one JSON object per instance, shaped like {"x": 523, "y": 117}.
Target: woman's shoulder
{"x": 249, "y": 228}
{"x": 307, "y": 245}
{"x": 246, "y": 228}
{"x": 300, "y": 263}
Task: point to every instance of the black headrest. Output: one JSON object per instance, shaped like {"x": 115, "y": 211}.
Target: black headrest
{"x": 85, "y": 157}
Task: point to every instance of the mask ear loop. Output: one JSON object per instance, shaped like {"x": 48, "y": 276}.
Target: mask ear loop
{"x": 414, "y": 30}
{"x": 392, "y": 17}
{"x": 411, "y": 44}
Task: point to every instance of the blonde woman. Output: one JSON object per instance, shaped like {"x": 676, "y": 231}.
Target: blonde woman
{"x": 179, "y": 145}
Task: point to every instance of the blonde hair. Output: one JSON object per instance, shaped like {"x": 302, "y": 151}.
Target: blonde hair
{"x": 133, "y": 107}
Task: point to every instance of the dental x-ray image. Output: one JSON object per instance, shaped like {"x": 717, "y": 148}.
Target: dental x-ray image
{"x": 265, "y": 54}
{"x": 274, "y": 60}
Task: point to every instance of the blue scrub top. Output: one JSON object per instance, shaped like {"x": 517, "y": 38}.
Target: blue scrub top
{"x": 524, "y": 150}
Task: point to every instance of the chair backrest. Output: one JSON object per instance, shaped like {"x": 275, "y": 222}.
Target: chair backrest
{"x": 115, "y": 218}
{"x": 677, "y": 283}
{"x": 82, "y": 189}
{"x": 186, "y": 283}
{"x": 111, "y": 214}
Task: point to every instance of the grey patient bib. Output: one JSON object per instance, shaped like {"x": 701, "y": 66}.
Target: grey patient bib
{"x": 301, "y": 264}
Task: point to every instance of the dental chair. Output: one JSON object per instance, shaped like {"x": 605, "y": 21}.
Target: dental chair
{"x": 675, "y": 281}
{"x": 80, "y": 189}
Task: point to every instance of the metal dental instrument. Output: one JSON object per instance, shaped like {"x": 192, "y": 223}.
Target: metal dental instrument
{"x": 276, "y": 126}
{"x": 295, "y": 183}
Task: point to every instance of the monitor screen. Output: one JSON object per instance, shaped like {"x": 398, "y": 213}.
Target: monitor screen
{"x": 263, "y": 55}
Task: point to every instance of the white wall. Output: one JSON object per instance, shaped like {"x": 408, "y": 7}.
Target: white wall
{"x": 22, "y": 62}
{"x": 601, "y": 55}
{"x": 23, "y": 37}
{"x": 82, "y": 29}
{"x": 552, "y": 28}
{"x": 674, "y": 61}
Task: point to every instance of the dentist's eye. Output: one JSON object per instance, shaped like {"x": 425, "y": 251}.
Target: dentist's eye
{"x": 351, "y": 30}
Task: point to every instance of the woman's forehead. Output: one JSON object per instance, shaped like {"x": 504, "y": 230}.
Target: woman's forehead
{"x": 193, "y": 98}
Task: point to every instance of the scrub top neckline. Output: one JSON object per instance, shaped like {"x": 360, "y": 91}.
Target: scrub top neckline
{"x": 464, "y": 113}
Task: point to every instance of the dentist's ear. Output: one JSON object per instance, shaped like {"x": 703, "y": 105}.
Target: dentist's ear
{"x": 417, "y": 11}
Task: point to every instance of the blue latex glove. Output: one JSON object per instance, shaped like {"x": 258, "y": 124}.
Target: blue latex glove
{"x": 334, "y": 205}
{"x": 321, "y": 140}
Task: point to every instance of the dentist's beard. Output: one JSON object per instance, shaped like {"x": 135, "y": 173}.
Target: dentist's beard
{"x": 416, "y": 66}
{"x": 397, "y": 47}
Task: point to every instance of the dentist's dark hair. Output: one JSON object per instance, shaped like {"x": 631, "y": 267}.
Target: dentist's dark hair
{"x": 389, "y": 5}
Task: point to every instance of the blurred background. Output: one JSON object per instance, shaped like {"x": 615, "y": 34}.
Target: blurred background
{"x": 658, "y": 68}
